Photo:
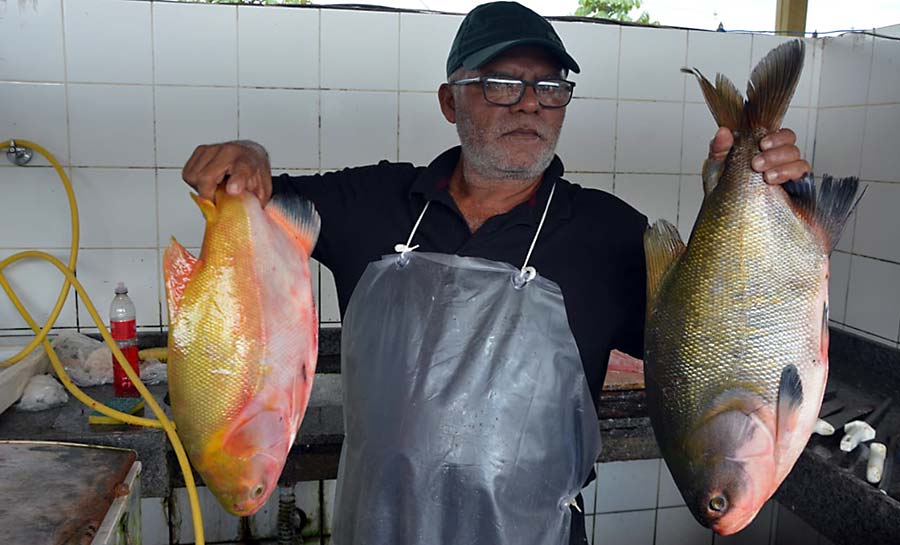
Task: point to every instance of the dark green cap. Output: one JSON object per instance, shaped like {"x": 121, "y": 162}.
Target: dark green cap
{"x": 490, "y": 29}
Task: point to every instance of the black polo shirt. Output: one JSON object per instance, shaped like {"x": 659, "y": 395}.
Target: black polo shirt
{"x": 591, "y": 243}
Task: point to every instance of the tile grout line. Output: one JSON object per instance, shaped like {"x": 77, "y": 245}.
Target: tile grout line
{"x": 68, "y": 167}
{"x": 319, "y": 136}
{"x": 160, "y": 275}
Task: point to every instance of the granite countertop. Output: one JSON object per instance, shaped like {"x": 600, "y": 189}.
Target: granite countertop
{"x": 836, "y": 500}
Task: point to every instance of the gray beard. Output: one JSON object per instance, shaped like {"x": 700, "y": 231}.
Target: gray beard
{"x": 491, "y": 161}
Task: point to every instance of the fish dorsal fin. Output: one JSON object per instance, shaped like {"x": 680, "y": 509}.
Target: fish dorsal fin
{"x": 772, "y": 84}
{"x": 724, "y": 100}
{"x": 178, "y": 267}
{"x": 790, "y": 397}
{"x": 662, "y": 248}
{"x": 827, "y": 207}
{"x": 298, "y": 216}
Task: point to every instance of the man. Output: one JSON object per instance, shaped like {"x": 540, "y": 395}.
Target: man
{"x": 473, "y": 358}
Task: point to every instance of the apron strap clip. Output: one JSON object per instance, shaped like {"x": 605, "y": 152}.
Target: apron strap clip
{"x": 524, "y": 276}
{"x": 570, "y": 502}
{"x": 404, "y": 250}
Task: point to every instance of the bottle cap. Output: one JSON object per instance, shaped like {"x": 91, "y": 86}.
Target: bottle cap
{"x": 121, "y": 289}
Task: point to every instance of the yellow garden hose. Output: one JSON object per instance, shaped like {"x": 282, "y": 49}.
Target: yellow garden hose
{"x": 40, "y": 337}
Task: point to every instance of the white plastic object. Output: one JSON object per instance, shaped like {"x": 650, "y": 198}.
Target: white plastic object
{"x": 856, "y": 432}
{"x": 41, "y": 393}
{"x": 822, "y": 427}
{"x": 875, "y": 465}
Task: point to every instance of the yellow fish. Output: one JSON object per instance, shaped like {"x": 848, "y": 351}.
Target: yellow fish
{"x": 243, "y": 342}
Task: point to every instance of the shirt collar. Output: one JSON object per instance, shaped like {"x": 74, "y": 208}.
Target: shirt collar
{"x": 433, "y": 183}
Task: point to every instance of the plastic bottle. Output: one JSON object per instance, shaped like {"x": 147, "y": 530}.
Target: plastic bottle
{"x": 123, "y": 327}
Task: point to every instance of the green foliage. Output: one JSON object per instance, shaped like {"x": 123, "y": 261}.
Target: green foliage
{"x": 618, "y": 10}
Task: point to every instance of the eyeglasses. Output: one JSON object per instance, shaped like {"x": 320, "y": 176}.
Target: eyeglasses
{"x": 551, "y": 93}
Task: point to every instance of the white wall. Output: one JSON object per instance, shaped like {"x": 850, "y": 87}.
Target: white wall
{"x": 122, "y": 91}
{"x": 856, "y": 135}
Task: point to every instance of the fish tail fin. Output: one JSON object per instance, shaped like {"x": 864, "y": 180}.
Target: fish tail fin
{"x": 298, "y": 216}
{"x": 826, "y": 207}
{"x": 772, "y": 84}
{"x": 178, "y": 266}
{"x": 662, "y": 248}
{"x": 723, "y": 99}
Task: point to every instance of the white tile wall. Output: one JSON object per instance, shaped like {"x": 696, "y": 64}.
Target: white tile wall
{"x": 36, "y": 30}
{"x": 885, "y": 72}
{"x": 37, "y": 285}
{"x": 650, "y": 61}
{"x": 288, "y": 56}
{"x": 838, "y": 283}
{"x": 34, "y": 209}
{"x": 111, "y": 125}
{"x": 656, "y": 195}
{"x": 424, "y": 43}
{"x": 626, "y": 486}
{"x": 595, "y": 47}
{"x": 873, "y": 302}
{"x": 677, "y": 526}
{"x": 189, "y": 116}
{"x": 329, "y": 310}
{"x": 839, "y": 138}
{"x": 117, "y": 207}
{"x": 285, "y": 121}
{"x": 154, "y": 522}
{"x": 36, "y": 112}
{"x": 602, "y": 181}
{"x": 669, "y": 495}
{"x": 108, "y": 41}
{"x": 626, "y": 528}
{"x": 878, "y": 222}
{"x": 358, "y": 128}
{"x": 880, "y": 160}
{"x": 587, "y": 141}
{"x": 195, "y": 44}
{"x": 845, "y": 70}
{"x": 133, "y": 94}
{"x": 648, "y": 137}
{"x": 100, "y": 270}
{"x": 420, "y": 114}
{"x": 350, "y": 58}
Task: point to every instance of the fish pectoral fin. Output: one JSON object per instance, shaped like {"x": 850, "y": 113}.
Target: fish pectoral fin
{"x": 259, "y": 430}
{"x": 178, "y": 267}
{"x": 827, "y": 207}
{"x": 298, "y": 216}
{"x": 662, "y": 248}
{"x": 790, "y": 397}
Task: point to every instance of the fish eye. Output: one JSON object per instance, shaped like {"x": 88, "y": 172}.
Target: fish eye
{"x": 258, "y": 491}
{"x": 718, "y": 504}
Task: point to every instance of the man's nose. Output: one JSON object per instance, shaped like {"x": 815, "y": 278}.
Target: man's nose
{"x": 529, "y": 102}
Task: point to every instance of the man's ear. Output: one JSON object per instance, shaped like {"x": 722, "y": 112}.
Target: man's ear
{"x": 448, "y": 103}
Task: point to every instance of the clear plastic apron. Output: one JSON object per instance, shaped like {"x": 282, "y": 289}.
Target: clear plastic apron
{"x": 468, "y": 418}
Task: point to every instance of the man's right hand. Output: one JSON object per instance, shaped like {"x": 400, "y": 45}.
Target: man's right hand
{"x": 241, "y": 165}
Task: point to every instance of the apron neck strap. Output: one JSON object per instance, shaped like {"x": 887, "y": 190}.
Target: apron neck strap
{"x": 524, "y": 276}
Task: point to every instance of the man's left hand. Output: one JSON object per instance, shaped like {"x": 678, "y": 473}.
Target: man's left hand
{"x": 779, "y": 160}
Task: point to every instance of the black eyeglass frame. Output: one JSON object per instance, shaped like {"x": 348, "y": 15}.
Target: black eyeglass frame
{"x": 483, "y": 80}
